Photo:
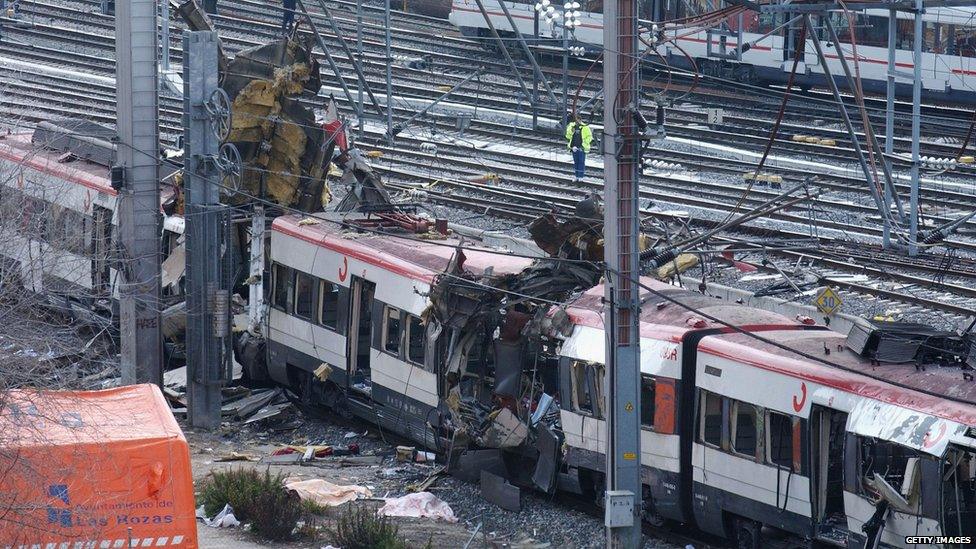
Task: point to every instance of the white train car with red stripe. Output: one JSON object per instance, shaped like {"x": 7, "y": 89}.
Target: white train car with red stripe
{"x": 744, "y": 51}
{"x": 58, "y": 225}
{"x": 755, "y": 426}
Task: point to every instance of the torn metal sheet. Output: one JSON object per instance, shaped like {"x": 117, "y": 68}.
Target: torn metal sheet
{"x": 872, "y": 418}
{"x": 544, "y": 476}
{"x": 285, "y": 152}
{"x": 174, "y": 267}
{"x": 497, "y": 490}
{"x": 469, "y": 464}
{"x": 506, "y": 431}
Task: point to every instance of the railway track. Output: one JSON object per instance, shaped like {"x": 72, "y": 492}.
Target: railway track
{"x": 260, "y": 20}
{"x": 527, "y": 192}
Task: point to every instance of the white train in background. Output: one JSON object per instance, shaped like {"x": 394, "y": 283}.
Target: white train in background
{"x": 948, "y": 68}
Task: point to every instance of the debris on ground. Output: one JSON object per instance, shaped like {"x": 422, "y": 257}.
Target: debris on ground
{"x": 224, "y": 519}
{"x": 326, "y": 493}
{"x": 419, "y": 505}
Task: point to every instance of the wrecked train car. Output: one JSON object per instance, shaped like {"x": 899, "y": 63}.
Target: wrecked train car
{"x": 58, "y": 220}
{"x": 285, "y": 153}
{"x": 801, "y": 434}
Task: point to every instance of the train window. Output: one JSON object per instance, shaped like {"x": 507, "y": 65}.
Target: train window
{"x": 711, "y": 418}
{"x": 329, "y": 309}
{"x": 779, "y": 439}
{"x": 582, "y": 394}
{"x": 744, "y": 429}
{"x": 304, "y": 295}
{"x": 391, "y": 330}
{"x": 883, "y": 458}
{"x": 282, "y": 286}
{"x": 415, "y": 339}
{"x": 647, "y": 401}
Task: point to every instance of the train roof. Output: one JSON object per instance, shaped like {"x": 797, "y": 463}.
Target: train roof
{"x": 937, "y": 390}
{"x": 662, "y": 317}
{"x": 18, "y": 148}
{"x": 821, "y": 355}
{"x": 407, "y": 255}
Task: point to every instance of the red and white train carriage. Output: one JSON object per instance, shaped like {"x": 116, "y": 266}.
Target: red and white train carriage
{"x": 774, "y": 428}
{"x": 58, "y": 224}
{"x": 948, "y": 64}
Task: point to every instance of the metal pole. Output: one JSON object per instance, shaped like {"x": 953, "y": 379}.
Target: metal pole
{"x": 621, "y": 160}
{"x": 255, "y": 300}
{"x": 328, "y": 56}
{"x": 535, "y": 80}
{"x": 137, "y": 97}
{"x": 203, "y": 237}
{"x": 855, "y": 144}
{"x": 501, "y": 45}
{"x": 890, "y": 114}
{"x": 536, "y": 70}
{"x": 889, "y": 183}
{"x": 916, "y": 122}
{"x": 164, "y": 33}
{"x": 363, "y": 84}
{"x": 565, "y": 73}
{"x": 389, "y": 75}
{"x": 359, "y": 58}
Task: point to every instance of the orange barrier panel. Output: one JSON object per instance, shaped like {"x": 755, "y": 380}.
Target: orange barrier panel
{"x": 94, "y": 470}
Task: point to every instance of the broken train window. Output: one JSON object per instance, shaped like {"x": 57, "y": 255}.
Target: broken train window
{"x": 281, "y": 286}
{"x": 391, "y": 330}
{"x": 889, "y": 470}
{"x": 304, "y": 295}
{"x": 744, "y": 429}
{"x": 959, "y": 493}
{"x": 329, "y": 310}
{"x": 647, "y": 401}
{"x": 780, "y": 430}
{"x": 710, "y": 416}
{"x": 587, "y": 380}
{"x": 416, "y": 340}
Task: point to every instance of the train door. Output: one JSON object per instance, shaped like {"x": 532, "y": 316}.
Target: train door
{"x": 101, "y": 246}
{"x": 827, "y": 431}
{"x": 959, "y": 492}
{"x": 360, "y": 329}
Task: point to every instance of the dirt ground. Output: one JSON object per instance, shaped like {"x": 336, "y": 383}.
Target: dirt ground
{"x": 206, "y": 450}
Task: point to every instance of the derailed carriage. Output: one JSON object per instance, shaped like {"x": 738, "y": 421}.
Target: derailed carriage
{"x": 59, "y": 220}
{"x": 774, "y": 429}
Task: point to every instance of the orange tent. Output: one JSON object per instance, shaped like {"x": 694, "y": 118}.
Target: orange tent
{"x": 94, "y": 470}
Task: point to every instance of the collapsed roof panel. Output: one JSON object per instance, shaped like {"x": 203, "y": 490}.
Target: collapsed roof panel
{"x": 286, "y": 154}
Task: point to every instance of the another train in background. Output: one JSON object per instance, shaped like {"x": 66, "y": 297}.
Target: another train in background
{"x": 737, "y": 48}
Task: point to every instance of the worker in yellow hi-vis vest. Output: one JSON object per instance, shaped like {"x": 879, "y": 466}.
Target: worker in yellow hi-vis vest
{"x": 578, "y": 139}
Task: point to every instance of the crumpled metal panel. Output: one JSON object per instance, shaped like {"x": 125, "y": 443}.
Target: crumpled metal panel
{"x": 872, "y": 418}
{"x": 284, "y": 150}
